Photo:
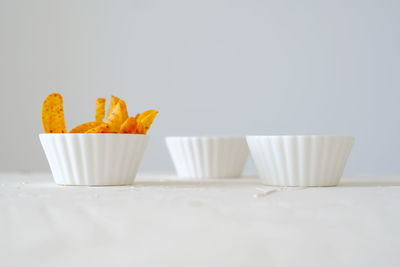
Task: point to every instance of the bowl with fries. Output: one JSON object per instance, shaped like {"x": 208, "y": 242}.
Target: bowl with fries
{"x": 106, "y": 151}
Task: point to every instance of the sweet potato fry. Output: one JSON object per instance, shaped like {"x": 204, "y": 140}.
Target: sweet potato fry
{"x": 85, "y": 126}
{"x": 53, "y": 114}
{"x": 147, "y": 118}
{"x": 140, "y": 116}
{"x": 113, "y": 103}
{"x": 124, "y": 110}
{"x": 114, "y": 120}
{"x": 140, "y": 129}
{"x": 129, "y": 126}
{"x": 100, "y": 109}
{"x": 102, "y": 128}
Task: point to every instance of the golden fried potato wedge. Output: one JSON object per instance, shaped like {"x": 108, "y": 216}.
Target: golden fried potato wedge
{"x": 53, "y": 114}
{"x": 100, "y": 109}
{"x": 113, "y": 103}
{"x": 84, "y": 127}
{"x": 129, "y": 126}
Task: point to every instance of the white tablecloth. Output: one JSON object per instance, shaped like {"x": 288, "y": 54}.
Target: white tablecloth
{"x": 230, "y": 222}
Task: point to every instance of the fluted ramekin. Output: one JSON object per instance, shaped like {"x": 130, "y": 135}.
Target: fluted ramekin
{"x": 300, "y": 160}
{"x": 208, "y": 157}
{"x": 94, "y": 159}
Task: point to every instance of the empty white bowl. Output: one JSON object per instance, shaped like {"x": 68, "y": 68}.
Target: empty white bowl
{"x": 300, "y": 160}
{"x": 208, "y": 157}
{"x": 94, "y": 159}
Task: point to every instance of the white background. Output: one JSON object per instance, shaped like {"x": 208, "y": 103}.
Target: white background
{"x": 210, "y": 67}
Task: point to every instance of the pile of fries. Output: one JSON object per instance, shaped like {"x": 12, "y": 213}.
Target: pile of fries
{"x": 117, "y": 120}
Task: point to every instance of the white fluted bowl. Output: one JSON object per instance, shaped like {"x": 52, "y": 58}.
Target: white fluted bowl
{"x": 300, "y": 160}
{"x": 208, "y": 157}
{"x": 94, "y": 159}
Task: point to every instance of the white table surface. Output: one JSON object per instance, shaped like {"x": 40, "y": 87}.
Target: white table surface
{"x": 230, "y": 222}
